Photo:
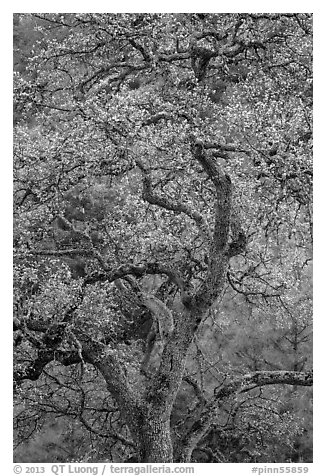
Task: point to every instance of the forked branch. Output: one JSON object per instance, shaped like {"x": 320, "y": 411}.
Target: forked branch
{"x": 176, "y": 205}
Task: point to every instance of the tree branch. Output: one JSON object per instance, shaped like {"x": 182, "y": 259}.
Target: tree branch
{"x": 107, "y": 434}
{"x": 218, "y": 254}
{"x": 239, "y": 385}
{"x": 175, "y": 206}
{"x": 262, "y": 378}
{"x": 34, "y": 370}
{"x": 224, "y": 147}
{"x": 138, "y": 270}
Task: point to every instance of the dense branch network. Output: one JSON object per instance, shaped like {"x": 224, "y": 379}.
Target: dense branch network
{"x": 121, "y": 86}
{"x": 175, "y": 205}
{"x": 229, "y": 390}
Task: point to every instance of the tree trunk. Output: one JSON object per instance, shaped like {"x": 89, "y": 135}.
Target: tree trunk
{"x": 155, "y": 444}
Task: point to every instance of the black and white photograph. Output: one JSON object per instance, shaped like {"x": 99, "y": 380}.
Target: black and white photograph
{"x": 162, "y": 239}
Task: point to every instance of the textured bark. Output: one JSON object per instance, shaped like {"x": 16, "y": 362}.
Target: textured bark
{"x": 155, "y": 444}
{"x": 150, "y": 429}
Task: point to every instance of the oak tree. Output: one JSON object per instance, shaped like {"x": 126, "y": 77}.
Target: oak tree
{"x": 162, "y": 189}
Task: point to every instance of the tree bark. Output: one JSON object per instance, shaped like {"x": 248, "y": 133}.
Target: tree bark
{"x": 155, "y": 443}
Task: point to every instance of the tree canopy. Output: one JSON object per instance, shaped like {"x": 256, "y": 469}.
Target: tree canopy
{"x": 162, "y": 233}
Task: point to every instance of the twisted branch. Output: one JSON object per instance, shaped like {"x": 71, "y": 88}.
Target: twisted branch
{"x": 176, "y": 206}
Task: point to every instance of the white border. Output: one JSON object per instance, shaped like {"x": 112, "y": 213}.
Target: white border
{"x": 278, "y": 6}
